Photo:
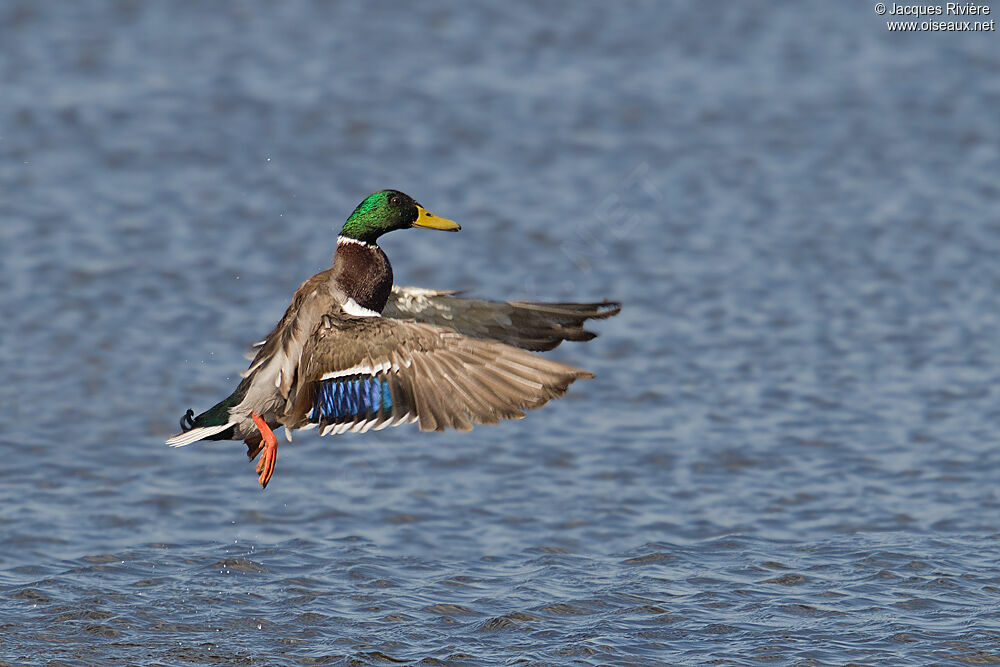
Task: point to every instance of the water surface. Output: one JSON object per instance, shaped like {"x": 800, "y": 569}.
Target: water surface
{"x": 789, "y": 453}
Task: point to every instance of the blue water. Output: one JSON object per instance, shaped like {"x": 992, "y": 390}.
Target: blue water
{"x": 789, "y": 453}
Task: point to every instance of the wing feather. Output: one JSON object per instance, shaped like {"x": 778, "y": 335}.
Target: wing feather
{"x": 525, "y": 324}
{"x": 393, "y": 372}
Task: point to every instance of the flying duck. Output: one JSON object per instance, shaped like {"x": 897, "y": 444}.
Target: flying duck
{"x": 353, "y": 352}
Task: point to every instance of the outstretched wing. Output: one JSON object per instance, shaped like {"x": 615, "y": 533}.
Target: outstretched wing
{"x": 361, "y": 373}
{"x": 528, "y": 325}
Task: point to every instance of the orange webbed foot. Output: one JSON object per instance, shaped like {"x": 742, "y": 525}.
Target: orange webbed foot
{"x": 265, "y": 467}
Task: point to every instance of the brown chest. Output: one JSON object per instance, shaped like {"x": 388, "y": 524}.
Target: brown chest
{"x": 364, "y": 274}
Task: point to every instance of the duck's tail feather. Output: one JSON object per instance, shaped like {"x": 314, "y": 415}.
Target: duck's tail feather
{"x": 196, "y": 434}
{"x": 211, "y": 424}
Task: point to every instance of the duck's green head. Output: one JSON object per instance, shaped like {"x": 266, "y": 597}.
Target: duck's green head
{"x": 388, "y": 210}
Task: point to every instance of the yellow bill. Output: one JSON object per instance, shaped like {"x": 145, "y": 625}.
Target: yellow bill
{"x": 428, "y": 220}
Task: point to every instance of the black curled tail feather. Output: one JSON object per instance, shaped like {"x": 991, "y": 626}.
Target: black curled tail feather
{"x": 217, "y": 415}
{"x": 187, "y": 421}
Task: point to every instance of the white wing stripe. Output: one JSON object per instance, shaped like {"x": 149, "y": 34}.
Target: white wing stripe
{"x": 360, "y": 369}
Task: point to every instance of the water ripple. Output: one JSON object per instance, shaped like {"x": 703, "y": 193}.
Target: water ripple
{"x": 788, "y": 454}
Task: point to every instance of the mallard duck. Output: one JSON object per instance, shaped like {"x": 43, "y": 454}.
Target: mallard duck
{"x": 354, "y": 353}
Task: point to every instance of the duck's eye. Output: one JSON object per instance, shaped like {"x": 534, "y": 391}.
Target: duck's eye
{"x": 394, "y": 201}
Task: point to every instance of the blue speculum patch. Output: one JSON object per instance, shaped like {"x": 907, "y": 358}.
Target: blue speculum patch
{"x": 351, "y": 396}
